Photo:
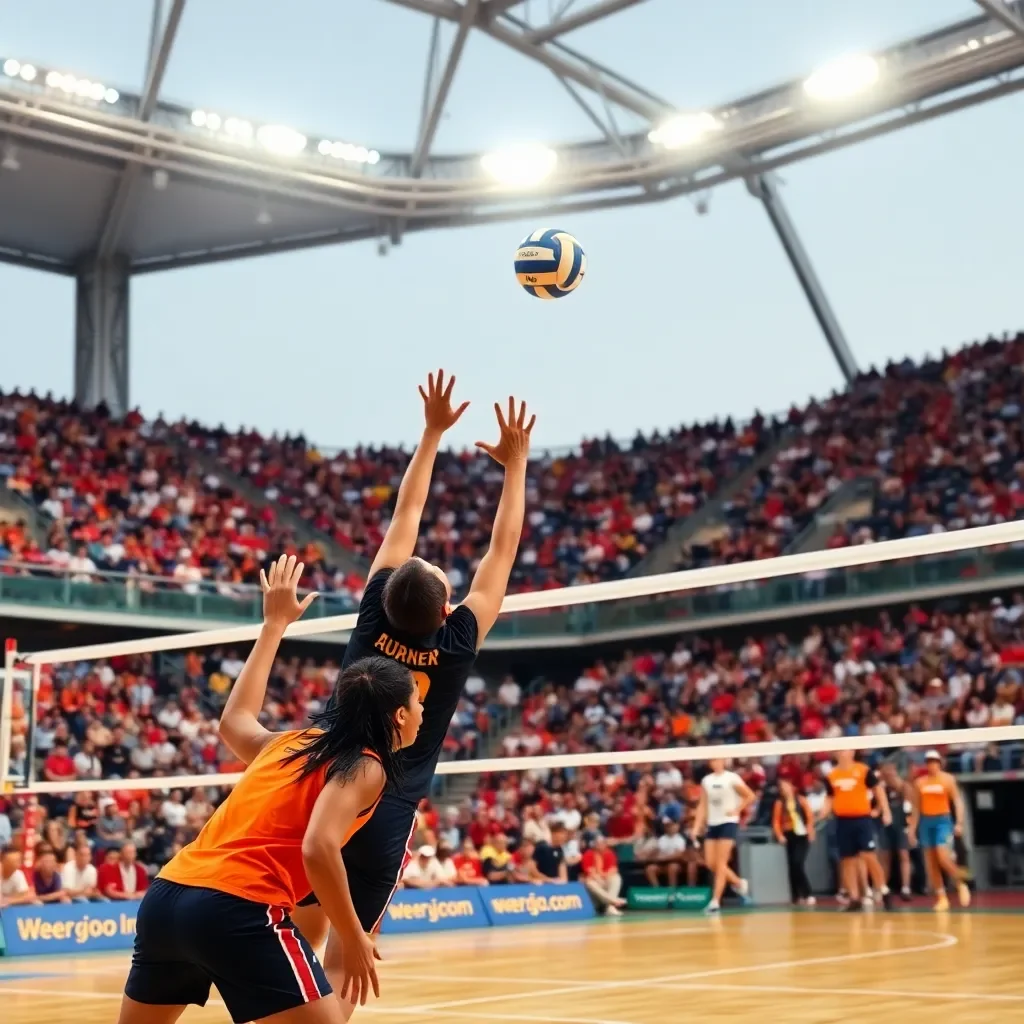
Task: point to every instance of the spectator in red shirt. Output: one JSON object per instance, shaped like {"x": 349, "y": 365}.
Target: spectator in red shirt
{"x": 121, "y": 876}
{"x": 469, "y": 865}
{"x": 600, "y": 874}
{"x": 58, "y": 766}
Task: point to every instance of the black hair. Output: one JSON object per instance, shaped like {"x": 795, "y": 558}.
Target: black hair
{"x": 360, "y": 716}
{"x": 414, "y": 598}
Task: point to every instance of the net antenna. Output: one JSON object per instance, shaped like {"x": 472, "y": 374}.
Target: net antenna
{"x": 1001, "y": 534}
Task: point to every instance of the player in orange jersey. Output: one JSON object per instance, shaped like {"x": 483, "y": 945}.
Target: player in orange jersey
{"x": 219, "y": 912}
{"x": 936, "y": 794}
{"x": 850, "y": 786}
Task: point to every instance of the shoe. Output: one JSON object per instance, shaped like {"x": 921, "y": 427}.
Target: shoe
{"x": 852, "y": 908}
{"x": 743, "y": 891}
{"x": 810, "y": 902}
{"x": 905, "y": 895}
{"x": 887, "y": 900}
{"x": 842, "y": 898}
{"x": 712, "y": 909}
{"x": 942, "y": 904}
{"x": 613, "y": 911}
{"x": 867, "y": 903}
{"x": 963, "y": 891}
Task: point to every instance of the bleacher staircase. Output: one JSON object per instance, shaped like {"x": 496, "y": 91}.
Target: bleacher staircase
{"x": 709, "y": 519}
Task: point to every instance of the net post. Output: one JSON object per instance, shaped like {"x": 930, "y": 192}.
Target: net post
{"x": 7, "y": 713}
{"x": 30, "y": 712}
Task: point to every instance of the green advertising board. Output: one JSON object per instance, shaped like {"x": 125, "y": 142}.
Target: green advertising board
{"x": 668, "y": 899}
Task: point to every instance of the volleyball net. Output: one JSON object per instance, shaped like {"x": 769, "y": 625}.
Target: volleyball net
{"x": 154, "y": 702}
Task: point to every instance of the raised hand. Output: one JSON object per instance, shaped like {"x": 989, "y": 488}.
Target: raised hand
{"x": 437, "y": 404}
{"x": 514, "y": 439}
{"x": 281, "y": 605}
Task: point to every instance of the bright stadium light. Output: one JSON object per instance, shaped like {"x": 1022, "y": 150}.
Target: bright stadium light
{"x": 238, "y": 129}
{"x": 684, "y": 130}
{"x": 12, "y": 67}
{"x": 28, "y": 73}
{"x": 53, "y": 79}
{"x": 520, "y": 166}
{"x": 348, "y": 151}
{"x": 280, "y": 140}
{"x": 111, "y": 96}
{"x": 843, "y": 78}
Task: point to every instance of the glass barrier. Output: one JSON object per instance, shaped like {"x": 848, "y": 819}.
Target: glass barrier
{"x": 112, "y": 593}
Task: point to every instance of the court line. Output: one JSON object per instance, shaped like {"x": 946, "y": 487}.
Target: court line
{"x": 945, "y": 941}
{"x": 989, "y": 997}
{"x": 396, "y": 1011}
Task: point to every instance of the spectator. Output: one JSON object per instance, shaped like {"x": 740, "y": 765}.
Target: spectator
{"x": 121, "y": 876}
{"x": 423, "y": 871}
{"x": 509, "y": 693}
{"x": 6, "y": 832}
{"x": 524, "y": 867}
{"x": 549, "y": 856}
{"x": 497, "y": 860}
{"x": 600, "y": 874}
{"x": 46, "y": 879}
{"x": 468, "y": 865}
{"x": 446, "y": 865}
{"x": 79, "y": 877}
{"x": 15, "y": 890}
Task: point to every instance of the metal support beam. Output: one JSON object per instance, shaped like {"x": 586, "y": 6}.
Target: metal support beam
{"x": 492, "y": 8}
{"x": 570, "y": 23}
{"x": 560, "y": 60}
{"x": 157, "y": 66}
{"x": 428, "y": 127}
{"x": 101, "y": 334}
{"x": 765, "y": 188}
{"x": 1006, "y": 14}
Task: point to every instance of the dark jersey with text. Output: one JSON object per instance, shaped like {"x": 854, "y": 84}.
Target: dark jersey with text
{"x": 440, "y": 666}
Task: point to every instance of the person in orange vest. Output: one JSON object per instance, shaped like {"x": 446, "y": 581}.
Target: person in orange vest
{"x": 936, "y": 794}
{"x": 850, "y": 786}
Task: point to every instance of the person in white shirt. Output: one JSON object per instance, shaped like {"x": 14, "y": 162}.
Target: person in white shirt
{"x": 423, "y": 871}
{"x": 663, "y": 854}
{"x": 724, "y": 796}
{"x": 510, "y": 693}
{"x": 78, "y": 877}
{"x": 14, "y": 888}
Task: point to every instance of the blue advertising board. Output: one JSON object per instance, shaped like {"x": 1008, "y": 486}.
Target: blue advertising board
{"x": 69, "y": 927}
{"x": 434, "y": 910}
{"x": 533, "y": 904}
{"x": 91, "y": 927}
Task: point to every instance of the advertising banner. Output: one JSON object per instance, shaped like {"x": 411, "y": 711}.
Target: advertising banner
{"x": 532, "y": 904}
{"x": 434, "y": 910}
{"x": 668, "y": 899}
{"x": 68, "y": 928}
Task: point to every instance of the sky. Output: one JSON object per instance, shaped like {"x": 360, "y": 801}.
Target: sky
{"x": 682, "y": 318}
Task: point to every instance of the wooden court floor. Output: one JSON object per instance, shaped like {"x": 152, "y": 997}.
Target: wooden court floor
{"x": 777, "y": 967}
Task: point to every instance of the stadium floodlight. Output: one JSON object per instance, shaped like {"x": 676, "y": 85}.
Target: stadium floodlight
{"x": 520, "y": 166}
{"x": 280, "y": 139}
{"x": 111, "y": 96}
{"x": 237, "y": 129}
{"x": 684, "y": 130}
{"x": 28, "y": 73}
{"x": 348, "y": 151}
{"x": 53, "y": 79}
{"x": 12, "y": 67}
{"x": 843, "y": 78}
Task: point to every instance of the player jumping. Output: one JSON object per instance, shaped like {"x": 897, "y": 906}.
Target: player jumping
{"x": 405, "y": 615}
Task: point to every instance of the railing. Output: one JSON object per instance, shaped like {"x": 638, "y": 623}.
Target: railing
{"x": 42, "y": 587}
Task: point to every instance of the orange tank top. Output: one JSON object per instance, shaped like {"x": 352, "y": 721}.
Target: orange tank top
{"x": 850, "y": 795}
{"x": 252, "y": 845}
{"x": 934, "y": 796}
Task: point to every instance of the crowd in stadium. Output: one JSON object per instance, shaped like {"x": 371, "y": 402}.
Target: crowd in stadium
{"x": 134, "y": 717}
{"x": 940, "y": 440}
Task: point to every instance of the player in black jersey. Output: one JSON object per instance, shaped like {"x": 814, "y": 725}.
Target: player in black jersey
{"x": 405, "y": 615}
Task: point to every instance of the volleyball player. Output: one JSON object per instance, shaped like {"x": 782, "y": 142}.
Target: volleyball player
{"x": 724, "y": 797}
{"x": 218, "y": 913}
{"x": 851, "y": 786}
{"x": 936, "y": 794}
{"x": 893, "y": 839}
{"x": 405, "y": 615}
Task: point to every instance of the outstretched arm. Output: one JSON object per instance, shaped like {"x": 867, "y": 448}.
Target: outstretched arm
{"x": 239, "y": 727}
{"x": 491, "y": 580}
{"x": 400, "y": 541}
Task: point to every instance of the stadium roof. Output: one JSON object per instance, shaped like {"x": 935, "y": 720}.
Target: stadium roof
{"x": 86, "y": 170}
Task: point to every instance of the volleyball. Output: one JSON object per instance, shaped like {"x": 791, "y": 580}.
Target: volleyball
{"x": 550, "y": 263}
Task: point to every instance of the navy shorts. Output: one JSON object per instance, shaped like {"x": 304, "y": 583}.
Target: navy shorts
{"x": 730, "y": 830}
{"x": 375, "y": 858}
{"x": 855, "y": 836}
{"x": 188, "y": 938}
